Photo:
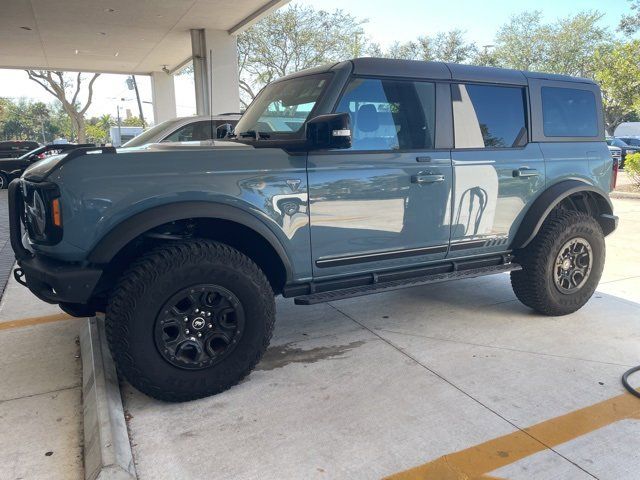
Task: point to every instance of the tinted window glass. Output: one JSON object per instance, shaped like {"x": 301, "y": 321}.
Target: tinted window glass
{"x": 488, "y": 116}
{"x": 632, "y": 141}
{"x": 389, "y": 114}
{"x": 568, "y": 112}
{"x": 193, "y": 132}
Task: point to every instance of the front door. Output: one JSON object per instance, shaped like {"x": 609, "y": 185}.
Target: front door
{"x": 384, "y": 203}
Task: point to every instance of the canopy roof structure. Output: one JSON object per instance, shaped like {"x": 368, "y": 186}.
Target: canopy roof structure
{"x": 115, "y": 36}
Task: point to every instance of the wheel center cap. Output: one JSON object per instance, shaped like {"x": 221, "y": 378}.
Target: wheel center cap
{"x": 198, "y": 323}
{"x": 566, "y": 264}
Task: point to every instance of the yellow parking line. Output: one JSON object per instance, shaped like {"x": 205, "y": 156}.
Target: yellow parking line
{"x": 28, "y": 322}
{"x": 475, "y": 462}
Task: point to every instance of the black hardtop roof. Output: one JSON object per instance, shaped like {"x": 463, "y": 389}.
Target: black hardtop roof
{"x": 436, "y": 71}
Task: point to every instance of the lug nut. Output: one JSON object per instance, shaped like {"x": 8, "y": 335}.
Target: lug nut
{"x": 199, "y": 334}
{"x": 197, "y": 310}
{"x": 187, "y": 331}
{"x": 186, "y": 319}
{"x": 210, "y": 326}
{"x": 208, "y": 314}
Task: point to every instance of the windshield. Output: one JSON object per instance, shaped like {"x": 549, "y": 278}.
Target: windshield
{"x": 616, "y": 142}
{"x": 283, "y": 107}
{"x": 32, "y": 152}
{"x": 148, "y": 135}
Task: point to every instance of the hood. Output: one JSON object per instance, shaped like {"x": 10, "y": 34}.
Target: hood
{"x": 38, "y": 171}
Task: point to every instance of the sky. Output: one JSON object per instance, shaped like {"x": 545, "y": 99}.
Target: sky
{"x": 387, "y": 22}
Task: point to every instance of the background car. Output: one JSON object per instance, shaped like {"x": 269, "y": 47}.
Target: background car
{"x": 16, "y": 148}
{"x": 626, "y": 148}
{"x": 631, "y": 141}
{"x": 185, "y": 129}
{"x": 616, "y": 154}
{"x": 11, "y": 168}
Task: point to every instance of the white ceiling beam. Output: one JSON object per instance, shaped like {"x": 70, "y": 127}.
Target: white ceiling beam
{"x": 256, "y": 16}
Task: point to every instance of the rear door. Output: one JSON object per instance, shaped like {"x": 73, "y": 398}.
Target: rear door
{"x": 497, "y": 171}
{"x": 384, "y": 203}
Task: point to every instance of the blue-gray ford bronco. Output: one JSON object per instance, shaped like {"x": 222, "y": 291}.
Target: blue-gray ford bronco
{"x": 349, "y": 179}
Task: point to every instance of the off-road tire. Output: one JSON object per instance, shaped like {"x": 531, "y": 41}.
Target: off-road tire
{"x": 139, "y": 295}
{"x": 535, "y": 286}
{"x": 4, "y": 181}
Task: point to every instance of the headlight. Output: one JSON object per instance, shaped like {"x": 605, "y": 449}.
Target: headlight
{"x": 42, "y": 212}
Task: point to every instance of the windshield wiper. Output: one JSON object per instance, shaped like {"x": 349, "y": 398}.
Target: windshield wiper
{"x": 254, "y": 134}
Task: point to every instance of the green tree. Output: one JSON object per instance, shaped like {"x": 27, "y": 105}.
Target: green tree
{"x": 67, "y": 91}
{"x": 565, "y": 46}
{"x": 292, "y": 39}
{"x": 617, "y": 71}
{"x": 448, "y": 46}
{"x": 630, "y": 24}
{"x": 521, "y": 42}
{"x": 133, "y": 122}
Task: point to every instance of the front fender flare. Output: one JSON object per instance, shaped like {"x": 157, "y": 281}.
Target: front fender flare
{"x": 551, "y": 198}
{"x": 126, "y": 231}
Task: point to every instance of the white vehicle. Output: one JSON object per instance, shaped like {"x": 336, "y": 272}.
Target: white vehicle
{"x": 185, "y": 129}
{"x": 616, "y": 153}
{"x": 627, "y": 129}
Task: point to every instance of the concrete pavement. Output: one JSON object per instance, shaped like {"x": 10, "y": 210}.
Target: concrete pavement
{"x": 373, "y": 386}
{"x": 429, "y": 382}
{"x": 40, "y": 390}
{"x": 6, "y": 253}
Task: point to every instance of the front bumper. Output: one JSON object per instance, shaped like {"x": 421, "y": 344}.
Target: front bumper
{"x": 50, "y": 280}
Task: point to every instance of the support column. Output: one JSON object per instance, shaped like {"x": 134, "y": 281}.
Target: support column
{"x": 223, "y": 71}
{"x": 163, "y": 96}
{"x": 215, "y": 62}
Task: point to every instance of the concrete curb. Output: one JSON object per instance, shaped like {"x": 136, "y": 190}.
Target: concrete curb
{"x": 615, "y": 194}
{"x": 107, "y": 452}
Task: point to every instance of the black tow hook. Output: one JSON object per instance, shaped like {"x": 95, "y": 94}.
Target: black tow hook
{"x": 18, "y": 274}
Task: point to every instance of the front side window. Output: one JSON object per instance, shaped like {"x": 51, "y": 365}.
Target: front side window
{"x": 283, "y": 107}
{"x": 487, "y": 116}
{"x": 390, "y": 114}
{"x": 569, "y": 112}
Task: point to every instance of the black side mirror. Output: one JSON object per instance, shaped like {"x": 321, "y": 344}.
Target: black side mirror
{"x": 224, "y": 130}
{"x": 329, "y": 131}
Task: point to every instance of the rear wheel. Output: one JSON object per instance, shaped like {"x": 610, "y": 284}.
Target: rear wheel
{"x": 189, "y": 320}
{"x": 563, "y": 264}
{"x": 4, "y": 181}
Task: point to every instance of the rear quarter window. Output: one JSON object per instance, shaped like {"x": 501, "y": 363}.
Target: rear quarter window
{"x": 569, "y": 112}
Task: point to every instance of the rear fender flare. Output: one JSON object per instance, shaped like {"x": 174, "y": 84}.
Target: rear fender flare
{"x": 550, "y": 199}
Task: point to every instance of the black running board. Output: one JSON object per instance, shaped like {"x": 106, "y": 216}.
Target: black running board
{"x": 359, "y": 291}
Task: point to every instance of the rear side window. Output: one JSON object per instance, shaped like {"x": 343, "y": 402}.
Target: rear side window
{"x": 487, "y": 116}
{"x": 390, "y": 114}
{"x": 569, "y": 112}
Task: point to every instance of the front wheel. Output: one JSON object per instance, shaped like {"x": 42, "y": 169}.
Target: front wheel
{"x": 189, "y": 319}
{"x": 563, "y": 264}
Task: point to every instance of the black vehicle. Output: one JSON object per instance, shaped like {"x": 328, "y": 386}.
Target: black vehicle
{"x": 11, "y": 168}
{"x": 625, "y": 146}
{"x": 16, "y": 148}
{"x": 631, "y": 141}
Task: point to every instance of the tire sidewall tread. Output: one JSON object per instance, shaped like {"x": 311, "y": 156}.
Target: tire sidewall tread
{"x": 143, "y": 289}
{"x": 534, "y": 285}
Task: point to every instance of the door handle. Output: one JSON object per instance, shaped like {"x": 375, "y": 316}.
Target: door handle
{"x": 423, "y": 159}
{"x": 525, "y": 172}
{"x": 424, "y": 179}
